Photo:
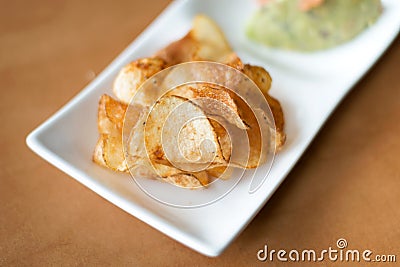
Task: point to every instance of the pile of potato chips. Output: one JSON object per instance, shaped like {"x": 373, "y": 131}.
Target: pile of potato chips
{"x": 184, "y": 136}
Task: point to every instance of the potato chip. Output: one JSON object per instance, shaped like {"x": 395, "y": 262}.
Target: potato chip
{"x": 263, "y": 80}
{"x": 110, "y": 116}
{"x": 214, "y": 100}
{"x": 98, "y": 154}
{"x": 223, "y": 139}
{"x": 109, "y": 149}
{"x": 109, "y": 153}
{"x": 205, "y": 41}
{"x": 170, "y": 174}
{"x": 250, "y": 155}
{"x": 259, "y": 76}
{"x": 178, "y": 131}
{"x": 221, "y": 172}
{"x": 184, "y": 180}
{"x": 253, "y": 135}
{"x": 113, "y": 153}
{"x": 181, "y": 178}
{"x": 131, "y": 77}
{"x": 196, "y": 131}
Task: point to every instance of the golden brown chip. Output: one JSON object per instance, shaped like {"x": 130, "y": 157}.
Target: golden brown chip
{"x": 176, "y": 131}
{"x": 167, "y": 173}
{"x": 113, "y": 153}
{"x": 181, "y": 178}
{"x": 109, "y": 148}
{"x": 205, "y": 41}
{"x": 223, "y": 139}
{"x": 98, "y": 154}
{"x": 109, "y": 151}
{"x": 263, "y": 80}
{"x": 214, "y": 100}
{"x": 183, "y": 128}
{"x": 277, "y": 112}
{"x": 132, "y": 76}
{"x": 202, "y": 176}
{"x": 259, "y": 76}
{"x": 250, "y": 152}
{"x": 184, "y": 180}
{"x": 222, "y": 172}
{"x": 183, "y": 50}
{"x": 253, "y": 134}
{"x": 110, "y": 115}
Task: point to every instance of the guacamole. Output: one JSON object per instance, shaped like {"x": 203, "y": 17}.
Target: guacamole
{"x": 282, "y": 24}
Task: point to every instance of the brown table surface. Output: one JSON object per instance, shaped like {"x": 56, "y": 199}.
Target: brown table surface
{"x": 346, "y": 185}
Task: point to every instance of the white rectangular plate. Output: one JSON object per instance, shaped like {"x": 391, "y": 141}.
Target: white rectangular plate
{"x": 309, "y": 87}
